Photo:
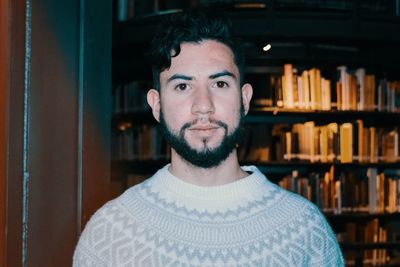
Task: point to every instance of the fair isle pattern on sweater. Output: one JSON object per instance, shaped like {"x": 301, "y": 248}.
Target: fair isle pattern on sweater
{"x": 167, "y": 222}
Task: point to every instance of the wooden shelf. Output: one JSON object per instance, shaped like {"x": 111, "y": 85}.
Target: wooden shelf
{"x": 285, "y": 167}
{"x": 365, "y": 246}
{"x": 360, "y": 217}
{"x": 299, "y": 24}
{"x": 277, "y": 115}
{"x": 149, "y": 166}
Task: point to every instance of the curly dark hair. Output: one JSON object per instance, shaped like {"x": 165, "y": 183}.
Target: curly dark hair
{"x": 191, "y": 26}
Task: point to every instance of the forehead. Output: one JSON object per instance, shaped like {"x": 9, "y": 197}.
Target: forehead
{"x": 205, "y": 57}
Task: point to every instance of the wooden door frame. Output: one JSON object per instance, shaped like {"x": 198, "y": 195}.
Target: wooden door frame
{"x": 12, "y": 33}
{"x": 92, "y": 153}
{"x": 4, "y": 81}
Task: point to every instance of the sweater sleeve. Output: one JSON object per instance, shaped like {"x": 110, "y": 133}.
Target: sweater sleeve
{"x": 323, "y": 239}
{"x": 85, "y": 257}
{"x": 93, "y": 245}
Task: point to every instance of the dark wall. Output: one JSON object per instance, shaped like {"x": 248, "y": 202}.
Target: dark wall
{"x": 68, "y": 149}
{"x": 51, "y": 206}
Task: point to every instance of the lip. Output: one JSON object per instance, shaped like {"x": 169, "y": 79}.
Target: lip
{"x": 204, "y": 128}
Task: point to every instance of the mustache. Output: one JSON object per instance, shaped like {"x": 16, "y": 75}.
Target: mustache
{"x": 193, "y": 123}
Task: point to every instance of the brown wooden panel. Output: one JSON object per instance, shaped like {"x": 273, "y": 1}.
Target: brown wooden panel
{"x": 4, "y": 85}
{"x": 14, "y": 125}
{"x": 68, "y": 87}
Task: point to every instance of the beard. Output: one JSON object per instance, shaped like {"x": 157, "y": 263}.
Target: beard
{"x": 207, "y": 157}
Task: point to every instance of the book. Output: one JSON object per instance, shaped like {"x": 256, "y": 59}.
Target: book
{"x": 333, "y": 141}
{"x": 373, "y": 149}
{"x": 370, "y": 92}
{"x": 346, "y": 143}
{"x": 360, "y": 75}
{"x": 313, "y": 88}
{"x": 323, "y": 143}
{"x": 287, "y": 86}
{"x": 325, "y": 94}
{"x": 295, "y": 89}
{"x": 360, "y": 139}
{"x": 390, "y": 147}
{"x": 372, "y": 175}
{"x": 305, "y": 87}
{"x": 352, "y": 93}
{"x": 343, "y": 80}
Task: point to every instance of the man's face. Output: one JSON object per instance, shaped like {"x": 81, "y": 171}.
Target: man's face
{"x": 206, "y": 157}
{"x": 201, "y": 103}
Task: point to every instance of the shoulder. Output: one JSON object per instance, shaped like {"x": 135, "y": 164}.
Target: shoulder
{"x": 115, "y": 211}
{"x": 106, "y": 225}
{"x": 92, "y": 248}
{"x": 305, "y": 214}
{"x": 315, "y": 234}
{"x": 310, "y": 239}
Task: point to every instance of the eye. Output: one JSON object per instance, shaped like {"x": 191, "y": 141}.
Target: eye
{"x": 221, "y": 84}
{"x": 181, "y": 87}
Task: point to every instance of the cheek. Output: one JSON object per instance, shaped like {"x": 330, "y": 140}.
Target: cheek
{"x": 174, "y": 115}
{"x": 230, "y": 110}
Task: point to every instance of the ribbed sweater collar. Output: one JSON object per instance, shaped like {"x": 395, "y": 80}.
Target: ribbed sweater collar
{"x": 254, "y": 184}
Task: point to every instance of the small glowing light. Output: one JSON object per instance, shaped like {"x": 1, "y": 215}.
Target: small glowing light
{"x": 123, "y": 126}
{"x": 267, "y": 47}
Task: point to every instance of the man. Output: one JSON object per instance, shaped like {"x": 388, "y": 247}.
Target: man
{"x": 204, "y": 209}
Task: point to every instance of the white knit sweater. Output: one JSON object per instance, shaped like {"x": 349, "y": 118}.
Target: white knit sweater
{"x": 165, "y": 221}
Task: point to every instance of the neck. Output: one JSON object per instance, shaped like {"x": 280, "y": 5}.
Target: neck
{"x": 226, "y": 172}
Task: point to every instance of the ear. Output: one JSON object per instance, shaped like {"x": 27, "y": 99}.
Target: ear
{"x": 153, "y": 99}
{"x": 247, "y": 93}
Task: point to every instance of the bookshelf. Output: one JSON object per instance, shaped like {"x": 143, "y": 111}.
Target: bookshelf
{"x": 358, "y": 38}
{"x": 276, "y": 115}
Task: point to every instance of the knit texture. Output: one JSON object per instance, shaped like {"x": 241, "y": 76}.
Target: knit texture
{"x": 165, "y": 221}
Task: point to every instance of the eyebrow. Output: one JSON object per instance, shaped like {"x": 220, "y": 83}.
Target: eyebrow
{"x": 222, "y": 73}
{"x": 179, "y": 77}
{"x": 212, "y": 76}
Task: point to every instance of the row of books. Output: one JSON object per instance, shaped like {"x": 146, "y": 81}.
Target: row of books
{"x": 371, "y": 191}
{"x": 371, "y": 232}
{"x": 130, "y": 97}
{"x": 347, "y": 142}
{"x": 343, "y": 192}
{"x": 344, "y": 143}
{"x": 308, "y": 90}
{"x": 143, "y": 142}
{"x": 347, "y": 191}
{"x": 359, "y": 91}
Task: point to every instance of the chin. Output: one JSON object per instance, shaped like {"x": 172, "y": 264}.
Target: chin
{"x": 207, "y": 146}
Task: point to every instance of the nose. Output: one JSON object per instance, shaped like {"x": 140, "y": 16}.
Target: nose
{"x": 203, "y": 102}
